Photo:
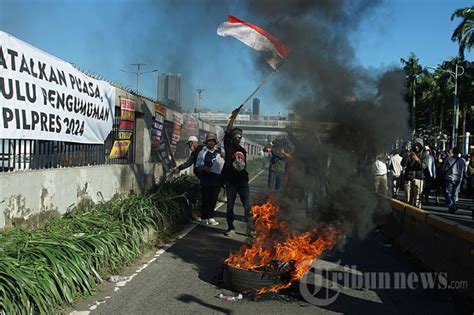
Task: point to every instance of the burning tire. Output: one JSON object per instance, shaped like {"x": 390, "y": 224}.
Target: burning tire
{"x": 243, "y": 280}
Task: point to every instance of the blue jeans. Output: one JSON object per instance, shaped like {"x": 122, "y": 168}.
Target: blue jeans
{"x": 232, "y": 189}
{"x": 451, "y": 192}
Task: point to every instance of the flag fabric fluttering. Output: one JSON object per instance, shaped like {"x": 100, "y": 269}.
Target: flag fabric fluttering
{"x": 273, "y": 50}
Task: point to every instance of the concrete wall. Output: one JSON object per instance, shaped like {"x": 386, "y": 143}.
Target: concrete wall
{"x": 439, "y": 244}
{"x": 31, "y": 197}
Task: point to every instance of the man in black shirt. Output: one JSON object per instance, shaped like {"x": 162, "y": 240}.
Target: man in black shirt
{"x": 195, "y": 148}
{"x": 235, "y": 173}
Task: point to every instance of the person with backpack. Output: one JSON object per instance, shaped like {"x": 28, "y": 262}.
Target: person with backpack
{"x": 454, "y": 168}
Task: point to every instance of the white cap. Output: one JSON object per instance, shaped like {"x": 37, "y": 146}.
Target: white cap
{"x": 192, "y": 139}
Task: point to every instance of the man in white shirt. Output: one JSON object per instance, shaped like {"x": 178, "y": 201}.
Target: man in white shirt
{"x": 379, "y": 170}
{"x": 396, "y": 172}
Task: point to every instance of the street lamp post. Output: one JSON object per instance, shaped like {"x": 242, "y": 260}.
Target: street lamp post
{"x": 138, "y": 73}
{"x": 455, "y": 74}
{"x": 199, "y": 92}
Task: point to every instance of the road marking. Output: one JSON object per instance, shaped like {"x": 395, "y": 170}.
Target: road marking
{"x": 158, "y": 253}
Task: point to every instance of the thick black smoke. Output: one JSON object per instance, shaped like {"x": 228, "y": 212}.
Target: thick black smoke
{"x": 322, "y": 83}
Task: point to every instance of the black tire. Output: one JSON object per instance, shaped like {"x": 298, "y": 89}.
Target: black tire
{"x": 243, "y": 280}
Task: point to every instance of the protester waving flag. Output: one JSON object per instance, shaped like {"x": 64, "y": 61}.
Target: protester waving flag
{"x": 273, "y": 50}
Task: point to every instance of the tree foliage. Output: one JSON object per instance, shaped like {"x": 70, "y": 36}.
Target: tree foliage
{"x": 464, "y": 32}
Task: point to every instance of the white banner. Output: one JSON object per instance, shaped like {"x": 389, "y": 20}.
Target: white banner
{"x": 43, "y": 97}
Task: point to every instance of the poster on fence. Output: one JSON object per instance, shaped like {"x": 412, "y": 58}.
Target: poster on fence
{"x": 46, "y": 98}
{"x": 157, "y": 128}
{"x": 125, "y": 133}
{"x": 177, "y": 123}
{"x": 190, "y": 126}
{"x": 165, "y": 155}
{"x": 127, "y": 119}
{"x": 119, "y": 149}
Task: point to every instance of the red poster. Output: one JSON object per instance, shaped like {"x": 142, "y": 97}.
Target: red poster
{"x": 126, "y": 104}
{"x": 160, "y": 109}
{"x": 126, "y": 125}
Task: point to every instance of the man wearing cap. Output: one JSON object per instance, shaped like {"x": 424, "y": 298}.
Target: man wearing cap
{"x": 195, "y": 147}
{"x": 235, "y": 173}
{"x": 209, "y": 165}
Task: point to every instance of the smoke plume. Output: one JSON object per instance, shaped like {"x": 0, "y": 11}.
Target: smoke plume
{"x": 322, "y": 83}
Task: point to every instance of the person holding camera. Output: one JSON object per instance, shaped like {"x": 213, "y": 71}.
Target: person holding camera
{"x": 415, "y": 163}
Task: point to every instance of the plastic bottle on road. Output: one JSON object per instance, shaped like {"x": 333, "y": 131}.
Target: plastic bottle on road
{"x": 231, "y": 297}
{"x": 115, "y": 279}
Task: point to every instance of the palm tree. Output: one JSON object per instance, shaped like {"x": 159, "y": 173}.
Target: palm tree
{"x": 464, "y": 33}
{"x": 427, "y": 86}
{"x": 433, "y": 93}
{"x": 412, "y": 70}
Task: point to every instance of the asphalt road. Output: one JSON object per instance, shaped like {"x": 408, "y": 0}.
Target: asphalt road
{"x": 180, "y": 280}
{"x": 463, "y": 216}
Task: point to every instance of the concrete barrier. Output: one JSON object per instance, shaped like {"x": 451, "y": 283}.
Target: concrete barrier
{"x": 439, "y": 244}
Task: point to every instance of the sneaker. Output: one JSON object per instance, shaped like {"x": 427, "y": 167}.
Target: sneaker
{"x": 212, "y": 222}
{"x": 197, "y": 219}
{"x": 204, "y": 222}
{"x": 229, "y": 233}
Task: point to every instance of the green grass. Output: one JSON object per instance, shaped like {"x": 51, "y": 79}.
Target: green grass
{"x": 51, "y": 266}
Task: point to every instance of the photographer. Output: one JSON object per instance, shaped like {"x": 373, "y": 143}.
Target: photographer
{"x": 415, "y": 163}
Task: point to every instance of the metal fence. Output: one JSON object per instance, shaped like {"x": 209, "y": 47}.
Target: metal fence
{"x": 16, "y": 154}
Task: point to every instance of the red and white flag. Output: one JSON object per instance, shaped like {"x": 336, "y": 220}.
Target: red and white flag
{"x": 273, "y": 50}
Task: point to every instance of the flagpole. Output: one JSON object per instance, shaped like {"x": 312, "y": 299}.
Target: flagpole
{"x": 257, "y": 88}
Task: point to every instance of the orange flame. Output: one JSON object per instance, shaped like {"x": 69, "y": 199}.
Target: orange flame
{"x": 273, "y": 241}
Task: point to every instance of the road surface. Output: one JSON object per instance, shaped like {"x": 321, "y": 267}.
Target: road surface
{"x": 179, "y": 279}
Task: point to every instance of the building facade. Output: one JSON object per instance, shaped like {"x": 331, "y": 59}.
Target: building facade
{"x": 169, "y": 89}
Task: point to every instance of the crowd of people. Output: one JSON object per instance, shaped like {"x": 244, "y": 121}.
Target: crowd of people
{"x": 219, "y": 166}
{"x": 422, "y": 172}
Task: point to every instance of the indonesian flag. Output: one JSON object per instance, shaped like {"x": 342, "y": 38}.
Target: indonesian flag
{"x": 273, "y": 50}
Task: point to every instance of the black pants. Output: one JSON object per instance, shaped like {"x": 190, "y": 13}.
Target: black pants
{"x": 232, "y": 190}
{"x": 427, "y": 187}
{"x": 209, "y": 195}
{"x": 275, "y": 180}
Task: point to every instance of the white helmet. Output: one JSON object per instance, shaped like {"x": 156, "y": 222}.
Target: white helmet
{"x": 192, "y": 139}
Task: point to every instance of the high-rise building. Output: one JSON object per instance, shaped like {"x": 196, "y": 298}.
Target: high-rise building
{"x": 169, "y": 89}
{"x": 291, "y": 115}
{"x": 256, "y": 107}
